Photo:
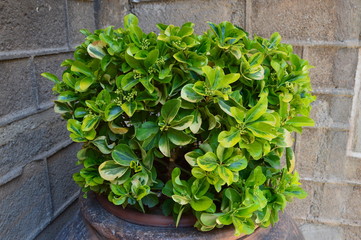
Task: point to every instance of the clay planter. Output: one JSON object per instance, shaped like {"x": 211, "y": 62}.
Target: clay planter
{"x": 96, "y": 222}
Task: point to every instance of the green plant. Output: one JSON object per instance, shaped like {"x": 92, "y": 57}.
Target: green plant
{"x": 190, "y": 123}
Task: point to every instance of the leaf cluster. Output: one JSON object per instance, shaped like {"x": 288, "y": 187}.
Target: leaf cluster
{"x": 190, "y": 123}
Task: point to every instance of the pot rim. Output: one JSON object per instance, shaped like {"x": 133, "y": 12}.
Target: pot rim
{"x": 146, "y": 219}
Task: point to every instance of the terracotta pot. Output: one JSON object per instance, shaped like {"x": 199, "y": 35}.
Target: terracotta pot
{"x": 101, "y": 224}
{"x": 137, "y": 217}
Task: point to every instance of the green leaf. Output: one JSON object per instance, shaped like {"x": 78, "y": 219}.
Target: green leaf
{"x": 182, "y": 123}
{"x": 117, "y": 129}
{"x": 164, "y": 145}
{"x": 229, "y": 138}
{"x": 129, "y": 108}
{"x": 236, "y": 163}
{"x": 95, "y": 49}
{"x": 290, "y": 159}
{"x": 225, "y": 174}
{"x": 191, "y": 157}
{"x": 256, "y": 59}
{"x": 69, "y": 80}
{"x": 112, "y": 111}
{"x": 83, "y": 84}
{"x": 198, "y": 172}
{"x": 228, "y": 79}
{"x": 102, "y": 144}
{"x": 255, "y": 149}
{"x": 262, "y": 130}
{"x": 146, "y": 130}
{"x": 179, "y": 138}
{"x": 151, "y": 58}
{"x": 106, "y": 60}
{"x": 80, "y": 112}
{"x": 74, "y": 126}
{"x": 197, "y": 122}
{"x": 295, "y": 191}
{"x": 208, "y": 161}
{"x": 256, "y": 178}
{"x": 259, "y": 109}
{"x": 134, "y": 63}
{"x": 123, "y": 155}
{"x": 209, "y": 219}
{"x": 130, "y": 19}
{"x": 170, "y": 109}
{"x": 238, "y": 114}
{"x": 190, "y": 95}
{"x": 127, "y": 81}
{"x": 275, "y": 39}
{"x": 51, "y": 77}
{"x": 81, "y": 68}
{"x": 301, "y": 121}
{"x": 67, "y": 96}
{"x": 182, "y": 200}
{"x": 201, "y": 204}
{"x": 110, "y": 170}
{"x": 89, "y": 122}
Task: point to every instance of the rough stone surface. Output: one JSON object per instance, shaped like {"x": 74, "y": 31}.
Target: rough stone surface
{"x": 25, "y": 203}
{"x": 320, "y": 153}
{"x": 49, "y": 63}
{"x": 352, "y": 232}
{"x": 331, "y": 110}
{"x": 18, "y": 93}
{"x": 61, "y": 168}
{"x": 32, "y": 24}
{"x": 21, "y": 141}
{"x": 199, "y": 12}
{"x": 307, "y": 19}
{"x": 352, "y": 169}
{"x": 81, "y": 15}
{"x": 334, "y": 67}
{"x": 321, "y": 232}
{"x": 111, "y": 12}
{"x": 333, "y": 196}
{"x": 352, "y": 204}
{"x": 58, "y": 223}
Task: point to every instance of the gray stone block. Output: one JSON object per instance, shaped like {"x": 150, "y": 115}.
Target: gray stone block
{"x": 199, "y": 12}
{"x": 352, "y": 210}
{"x": 351, "y": 232}
{"x": 352, "y": 169}
{"x": 16, "y": 86}
{"x": 111, "y": 12}
{"x": 331, "y": 110}
{"x": 32, "y": 24}
{"x": 307, "y": 19}
{"x": 51, "y": 231}
{"x": 25, "y": 203}
{"x": 333, "y": 201}
{"x": 321, "y": 232}
{"x": 320, "y": 153}
{"x": 81, "y": 15}
{"x": 48, "y": 63}
{"x": 61, "y": 168}
{"x": 334, "y": 67}
{"x": 23, "y": 140}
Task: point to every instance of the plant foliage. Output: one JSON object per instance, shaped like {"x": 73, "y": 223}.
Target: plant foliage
{"x": 190, "y": 123}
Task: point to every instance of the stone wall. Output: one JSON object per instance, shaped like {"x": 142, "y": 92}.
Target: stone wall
{"x": 37, "y": 195}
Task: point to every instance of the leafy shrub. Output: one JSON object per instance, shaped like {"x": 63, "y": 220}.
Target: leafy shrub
{"x": 190, "y": 123}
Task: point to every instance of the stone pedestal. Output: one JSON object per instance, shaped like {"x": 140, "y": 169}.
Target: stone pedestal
{"x": 96, "y": 223}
